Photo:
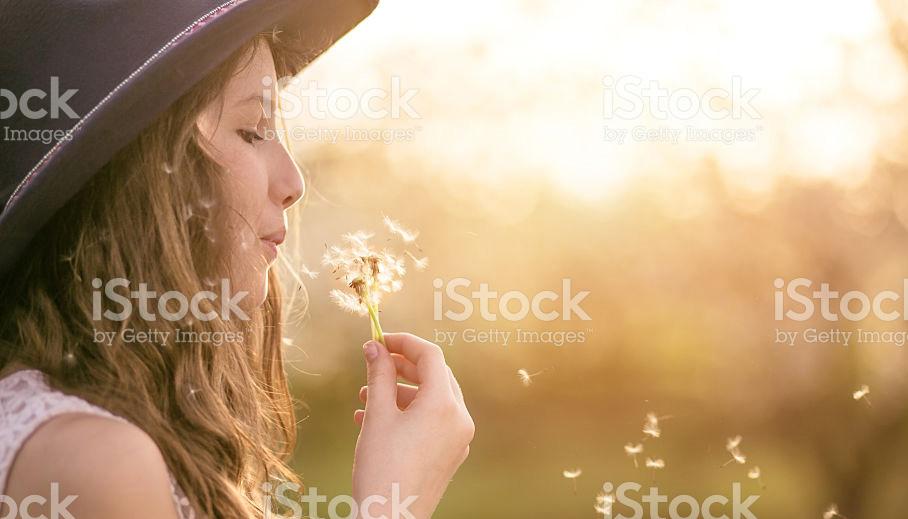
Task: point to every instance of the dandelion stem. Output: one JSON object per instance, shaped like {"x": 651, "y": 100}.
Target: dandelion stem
{"x": 376, "y": 326}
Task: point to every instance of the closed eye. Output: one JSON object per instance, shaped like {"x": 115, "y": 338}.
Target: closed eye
{"x": 249, "y": 136}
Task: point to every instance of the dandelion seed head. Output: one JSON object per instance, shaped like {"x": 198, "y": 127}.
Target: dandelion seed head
{"x": 862, "y": 392}
{"x": 754, "y": 472}
{"x": 733, "y": 443}
{"x": 348, "y": 302}
{"x": 831, "y": 512}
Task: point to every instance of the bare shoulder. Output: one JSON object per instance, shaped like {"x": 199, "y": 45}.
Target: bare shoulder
{"x": 113, "y": 468}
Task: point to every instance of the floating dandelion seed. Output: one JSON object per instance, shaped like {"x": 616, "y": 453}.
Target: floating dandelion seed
{"x": 526, "y": 377}
{"x": 418, "y": 263}
{"x": 187, "y": 212}
{"x": 655, "y": 464}
{"x": 755, "y": 473}
{"x": 863, "y": 394}
{"x": 193, "y": 391}
{"x": 396, "y": 228}
{"x": 572, "y": 475}
{"x": 69, "y": 358}
{"x": 651, "y": 426}
{"x": 206, "y": 202}
{"x": 367, "y": 272}
{"x": 832, "y": 512}
{"x": 733, "y": 448}
{"x": 633, "y": 450}
{"x": 306, "y": 271}
{"x": 604, "y": 504}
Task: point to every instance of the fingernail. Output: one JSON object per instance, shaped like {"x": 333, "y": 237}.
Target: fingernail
{"x": 371, "y": 350}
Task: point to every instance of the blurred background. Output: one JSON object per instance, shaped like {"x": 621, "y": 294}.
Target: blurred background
{"x": 506, "y": 166}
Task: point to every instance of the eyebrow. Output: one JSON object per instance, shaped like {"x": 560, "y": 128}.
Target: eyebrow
{"x": 253, "y": 97}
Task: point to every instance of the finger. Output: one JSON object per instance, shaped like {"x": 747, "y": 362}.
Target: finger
{"x": 455, "y": 386}
{"x": 405, "y": 369}
{"x": 405, "y": 394}
{"x": 358, "y": 417}
{"x": 381, "y": 375}
{"x": 426, "y": 356}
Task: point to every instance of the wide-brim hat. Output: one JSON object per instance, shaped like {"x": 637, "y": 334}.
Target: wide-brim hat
{"x": 79, "y": 80}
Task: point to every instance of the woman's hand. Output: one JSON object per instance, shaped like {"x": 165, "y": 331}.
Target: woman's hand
{"x": 415, "y": 436}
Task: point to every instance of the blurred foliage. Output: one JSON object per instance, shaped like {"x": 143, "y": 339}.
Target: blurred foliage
{"x": 679, "y": 253}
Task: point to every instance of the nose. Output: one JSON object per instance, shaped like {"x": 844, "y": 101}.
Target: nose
{"x": 286, "y": 185}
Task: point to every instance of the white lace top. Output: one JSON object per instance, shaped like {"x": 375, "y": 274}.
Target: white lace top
{"x": 26, "y": 402}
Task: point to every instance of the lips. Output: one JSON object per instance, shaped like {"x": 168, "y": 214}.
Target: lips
{"x": 276, "y": 238}
{"x": 272, "y": 241}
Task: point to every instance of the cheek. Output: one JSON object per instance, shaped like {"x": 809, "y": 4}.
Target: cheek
{"x": 246, "y": 183}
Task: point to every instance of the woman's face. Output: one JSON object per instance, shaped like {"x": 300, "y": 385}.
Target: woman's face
{"x": 262, "y": 179}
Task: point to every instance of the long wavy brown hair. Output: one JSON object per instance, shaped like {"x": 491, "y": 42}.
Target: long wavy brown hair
{"x": 221, "y": 414}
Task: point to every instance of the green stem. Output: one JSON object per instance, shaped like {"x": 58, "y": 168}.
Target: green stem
{"x": 376, "y": 326}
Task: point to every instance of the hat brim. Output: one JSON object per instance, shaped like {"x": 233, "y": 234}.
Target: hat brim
{"x": 139, "y": 99}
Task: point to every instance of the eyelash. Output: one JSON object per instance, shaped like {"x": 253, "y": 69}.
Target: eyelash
{"x": 249, "y": 136}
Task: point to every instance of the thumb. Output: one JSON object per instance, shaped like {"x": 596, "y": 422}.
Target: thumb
{"x": 381, "y": 376}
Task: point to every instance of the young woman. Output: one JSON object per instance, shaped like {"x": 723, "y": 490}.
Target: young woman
{"x": 98, "y": 400}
